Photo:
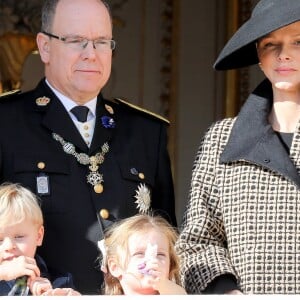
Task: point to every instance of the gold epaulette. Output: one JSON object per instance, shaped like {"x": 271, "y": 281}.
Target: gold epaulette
{"x": 142, "y": 109}
{"x": 12, "y": 92}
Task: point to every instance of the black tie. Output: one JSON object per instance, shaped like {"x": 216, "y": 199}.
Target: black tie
{"x": 80, "y": 112}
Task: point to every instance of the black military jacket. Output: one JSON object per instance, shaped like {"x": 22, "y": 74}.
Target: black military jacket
{"x": 74, "y": 213}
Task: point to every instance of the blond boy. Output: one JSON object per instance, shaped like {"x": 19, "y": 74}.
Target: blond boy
{"x": 21, "y": 232}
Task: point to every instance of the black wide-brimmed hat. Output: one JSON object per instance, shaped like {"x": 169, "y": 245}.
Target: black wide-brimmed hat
{"x": 267, "y": 16}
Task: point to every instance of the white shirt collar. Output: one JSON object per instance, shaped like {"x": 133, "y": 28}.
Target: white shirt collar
{"x": 69, "y": 103}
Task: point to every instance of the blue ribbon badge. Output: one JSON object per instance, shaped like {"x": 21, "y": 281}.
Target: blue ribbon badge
{"x": 108, "y": 122}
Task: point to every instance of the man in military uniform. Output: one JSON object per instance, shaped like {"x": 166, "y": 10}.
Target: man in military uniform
{"x": 91, "y": 161}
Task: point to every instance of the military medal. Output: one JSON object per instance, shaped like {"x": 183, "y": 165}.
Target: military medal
{"x": 143, "y": 198}
{"x": 94, "y": 177}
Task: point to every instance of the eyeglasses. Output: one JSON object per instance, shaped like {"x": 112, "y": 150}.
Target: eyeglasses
{"x": 79, "y": 43}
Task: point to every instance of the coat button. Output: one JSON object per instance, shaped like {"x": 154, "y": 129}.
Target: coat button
{"x": 141, "y": 175}
{"x": 104, "y": 214}
{"x": 41, "y": 165}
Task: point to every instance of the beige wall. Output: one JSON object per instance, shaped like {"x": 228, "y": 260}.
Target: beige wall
{"x": 200, "y": 87}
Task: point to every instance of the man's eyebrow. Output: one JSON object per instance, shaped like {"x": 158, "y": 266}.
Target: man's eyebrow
{"x": 85, "y": 37}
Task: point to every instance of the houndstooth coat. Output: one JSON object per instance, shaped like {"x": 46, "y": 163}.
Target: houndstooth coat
{"x": 243, "y": 215}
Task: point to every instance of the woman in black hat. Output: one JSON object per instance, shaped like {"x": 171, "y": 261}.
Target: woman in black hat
{"x": 241, "y": 229}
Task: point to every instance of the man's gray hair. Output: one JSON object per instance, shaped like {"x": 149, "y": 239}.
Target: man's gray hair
{"x": 48, "y": 13}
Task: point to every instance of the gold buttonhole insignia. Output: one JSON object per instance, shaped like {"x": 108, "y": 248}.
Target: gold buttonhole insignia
{"x": 42, "y": 101}
{"x": 109, "y": 109}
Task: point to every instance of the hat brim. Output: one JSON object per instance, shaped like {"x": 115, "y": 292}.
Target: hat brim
{"x": 240, "y": 50}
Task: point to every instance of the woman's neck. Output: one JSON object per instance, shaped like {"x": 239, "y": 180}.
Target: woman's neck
{"x": 285, "y": 116}
{"x": 285, "y": 113}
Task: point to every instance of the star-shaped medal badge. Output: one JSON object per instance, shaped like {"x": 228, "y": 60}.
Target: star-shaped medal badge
{"x": 143, "y": 198}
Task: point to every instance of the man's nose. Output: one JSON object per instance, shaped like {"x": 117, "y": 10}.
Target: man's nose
{"x": 89, "y": 51}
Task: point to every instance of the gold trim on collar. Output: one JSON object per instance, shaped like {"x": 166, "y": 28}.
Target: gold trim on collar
{"x": 12, "y": 92}
{"x": 142, "y": 109}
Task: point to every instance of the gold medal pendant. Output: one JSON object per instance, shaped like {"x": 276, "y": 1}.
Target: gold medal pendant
{"x": 98, "y": 188}
{"x": 94, "y": 177}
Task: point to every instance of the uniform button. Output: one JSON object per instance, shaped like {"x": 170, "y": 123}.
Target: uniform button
{"x": 41, "y": 165}
{"x": 86, "y": 127}
{"x": 104, "y": 214}
{"x": 86, "y": 135}
{"x": 141, "y": 175}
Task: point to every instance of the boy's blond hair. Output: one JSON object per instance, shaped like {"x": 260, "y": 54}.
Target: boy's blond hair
{"x": 116, "y": 245}
{"x": 18, "y": 204}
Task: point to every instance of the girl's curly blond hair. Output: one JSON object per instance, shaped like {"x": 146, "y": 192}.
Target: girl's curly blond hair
{"x": 116, "y": 246}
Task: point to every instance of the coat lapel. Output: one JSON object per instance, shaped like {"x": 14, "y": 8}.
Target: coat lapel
{"x": 56, "y": 118}
{"x": 101, "y": 134}
{"x": 253, "y": 139}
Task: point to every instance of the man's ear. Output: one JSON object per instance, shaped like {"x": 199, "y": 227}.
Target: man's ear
{"x": 114, "y": 269}
{"x": 44, "y": 47}
{"x": 40, "y": 236}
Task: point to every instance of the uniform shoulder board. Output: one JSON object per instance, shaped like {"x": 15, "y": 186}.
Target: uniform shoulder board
{"x": 9, "y": 93}
{"x": 142, "y": 109}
